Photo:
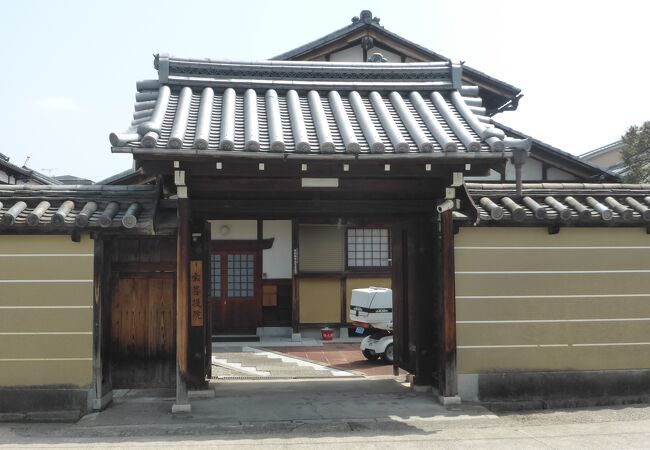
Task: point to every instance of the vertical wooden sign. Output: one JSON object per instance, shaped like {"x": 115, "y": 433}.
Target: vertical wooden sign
{"x": 196, "y": 293}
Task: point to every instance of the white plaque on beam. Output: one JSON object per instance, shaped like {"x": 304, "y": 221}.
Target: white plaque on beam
{"x": 450, "y": 192}
{"x": 320, "y": 182}
{"x": 179, "y": 177}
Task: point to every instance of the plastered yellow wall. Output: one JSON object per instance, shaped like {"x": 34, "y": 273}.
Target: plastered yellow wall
{"x": 530, "y": 301}
{"x": 46, "y": 292}
{"x": 320, "y": 300}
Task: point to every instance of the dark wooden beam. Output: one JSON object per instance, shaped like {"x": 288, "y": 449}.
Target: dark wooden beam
{"x": 421, "y": 292}
{"x": 183, "y": 242}
{"x": 102, "y": 388}
{"x": 239, "y": 164}
{"x": 144, "y": 267}
{"x": 182, "y": 283}
{"x": 295, "y": 300}
{"x": 259, "y": 244}
{"x": 448, "y": 378}
{"x": 207, "y": 331}
{"x": 399, "y": 266}
{"x": 269, "y": 209}
{"x": 200, "y": 185}
{"x": 344, "y": 307}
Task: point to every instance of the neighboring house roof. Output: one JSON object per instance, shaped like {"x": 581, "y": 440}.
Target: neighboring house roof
{"x": 563, "y": 203}
{"x": 366, "y": 26}
{"x": 608, "y": 156}
{"x": 129, "y": 176}
{"x": 72, "y": 180}
{"x": 614, "y": 146}
{"x": 561, "y": 159}
{"x": 619, "y": 169}
{"x": 204, "y": 107}
{"x": 25, "y": 174}
{"x": 60, "y": 208}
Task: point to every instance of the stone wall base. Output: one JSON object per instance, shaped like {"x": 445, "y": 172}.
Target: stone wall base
{"x": 58, "y": 404}
{"x": 538, "y": 390}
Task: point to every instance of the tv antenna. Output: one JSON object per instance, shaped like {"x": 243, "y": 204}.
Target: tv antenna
{"x": 49, "y": 171}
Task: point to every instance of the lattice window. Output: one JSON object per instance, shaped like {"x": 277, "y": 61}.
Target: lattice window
{"x": 241, "y": 279}
{"x": 368, "y": 247}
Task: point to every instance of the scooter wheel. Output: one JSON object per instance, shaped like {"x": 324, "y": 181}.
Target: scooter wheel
{"x": 388, "y": 354}
{"x": 370, "y": 356}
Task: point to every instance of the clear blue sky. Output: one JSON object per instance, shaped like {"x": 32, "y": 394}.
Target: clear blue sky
{"x": 69, "y": 67}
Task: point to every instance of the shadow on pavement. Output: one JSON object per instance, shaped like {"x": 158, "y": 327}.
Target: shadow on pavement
{"x": 359, "y": 407}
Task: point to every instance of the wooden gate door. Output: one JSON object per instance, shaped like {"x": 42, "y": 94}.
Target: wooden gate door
{"x": 414, "y": 300}
{"x": 400, "y": 272}
{"x": 143, "y": 337}
{"x": 235, "y": 291}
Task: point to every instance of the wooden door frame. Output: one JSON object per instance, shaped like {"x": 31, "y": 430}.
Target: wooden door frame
{"x": 225, "y": 248}
{"x": 102, "y": 390}
{"x": 399, "y": 285}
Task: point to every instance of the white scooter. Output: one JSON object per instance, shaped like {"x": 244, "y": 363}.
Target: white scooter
{"x": 372, "y": 309}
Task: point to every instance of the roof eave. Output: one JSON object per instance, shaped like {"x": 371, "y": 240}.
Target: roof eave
{"x": 193, "y": 154}
{"x": 600, "y": 150}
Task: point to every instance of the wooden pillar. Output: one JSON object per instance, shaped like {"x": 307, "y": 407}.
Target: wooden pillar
{"x": 102, "y": 392}
{"x": 207, "y": 324}
{"x": 295, "y": 298}
{"x": 448, "y": 379}
{"x": 421, "y": 288}
{"x": 183, "y": 241}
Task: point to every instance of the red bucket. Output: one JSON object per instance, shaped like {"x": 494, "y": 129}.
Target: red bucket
{"x": 327, "y": 334}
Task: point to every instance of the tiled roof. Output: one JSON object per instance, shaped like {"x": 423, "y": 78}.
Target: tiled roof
{"x": 204, "y": 106}
{"x": 81, "y": 207}
{"x": 570, "y": 203}
{"x": 367, "y": 21}
{"x": 129, "y": 176}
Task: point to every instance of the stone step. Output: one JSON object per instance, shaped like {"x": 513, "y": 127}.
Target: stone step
{"x": 253, "y": 362}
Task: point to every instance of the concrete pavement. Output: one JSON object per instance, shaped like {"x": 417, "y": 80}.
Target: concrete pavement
{"x": 363, "y": 413}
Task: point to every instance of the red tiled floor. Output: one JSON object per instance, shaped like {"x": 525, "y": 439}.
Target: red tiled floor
{"x": 341, "y": 356}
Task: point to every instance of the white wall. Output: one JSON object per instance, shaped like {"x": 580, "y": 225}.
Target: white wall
{"x": 6, "y": 178}
{"x": 355, "y": 54}
{"x": 494, "y": 176}
{"x": 352, "y": 54}
{"x": 559, "y": 175}
{"x": 390, "y": 56}
{"x": 530, "y": 171}
{"x": 276, "y": 261}
{"x": 238, "y": 229}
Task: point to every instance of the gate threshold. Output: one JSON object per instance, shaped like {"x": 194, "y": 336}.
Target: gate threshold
{"x": 235, "y": 338}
